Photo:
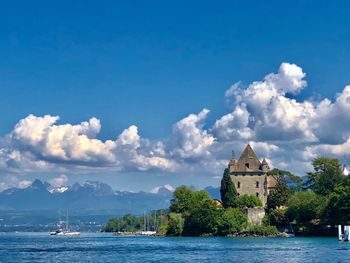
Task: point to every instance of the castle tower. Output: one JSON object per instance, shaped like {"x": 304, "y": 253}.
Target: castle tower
{"x": 250, "y": 176}
{"x": 232, "y": 165}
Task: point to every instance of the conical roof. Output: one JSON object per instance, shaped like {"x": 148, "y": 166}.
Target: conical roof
{"x": 248, "y": 162}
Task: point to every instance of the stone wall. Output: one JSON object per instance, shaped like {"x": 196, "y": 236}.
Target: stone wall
{"x": 246, "y": 185}
{"x": 255, "y": 215}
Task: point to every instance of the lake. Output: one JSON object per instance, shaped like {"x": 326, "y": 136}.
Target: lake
{"x": 103, "y": 247}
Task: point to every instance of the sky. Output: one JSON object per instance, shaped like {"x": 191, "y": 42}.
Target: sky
{"x": 142, "y": 94}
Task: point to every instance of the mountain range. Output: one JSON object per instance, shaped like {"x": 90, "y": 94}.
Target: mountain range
{"x": 90, "y": 197}
{"x": 41, "y": 202}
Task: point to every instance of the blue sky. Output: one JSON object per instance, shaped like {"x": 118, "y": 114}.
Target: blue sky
{"x": 152, "y": 64}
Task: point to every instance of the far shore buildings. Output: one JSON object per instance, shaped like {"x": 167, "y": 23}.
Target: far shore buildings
{"x": 250, "y": 176}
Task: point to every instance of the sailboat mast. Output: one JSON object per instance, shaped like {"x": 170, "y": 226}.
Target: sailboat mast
{"x": 144, "y": 221}
{"x": 67, "y": 221}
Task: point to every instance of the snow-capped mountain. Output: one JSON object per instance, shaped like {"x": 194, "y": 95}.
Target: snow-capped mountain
{"x": 89, "y": 197}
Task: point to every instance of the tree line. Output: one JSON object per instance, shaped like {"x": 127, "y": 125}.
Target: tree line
{"x": 315, "y": 205}
{"x": 309, "y": 206}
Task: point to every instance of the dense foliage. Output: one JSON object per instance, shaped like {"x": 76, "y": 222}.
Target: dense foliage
{"x": 278, "y": 217}
{"x": 175, "y": 224}
{"x": 248, "y": 201}
{"x": 201, "y": 216}
{"x": 305, "y": 206}
{"x": 279, "y": 196}
{"x": 130, "y": 223}
{"x": 326, "y": 177}
{"x": 232, "y": 221}
{"x": 325, "y": 201}
{"x": 337, "y": 210}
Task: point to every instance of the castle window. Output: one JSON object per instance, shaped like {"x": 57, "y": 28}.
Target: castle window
{"x": 257, "y": 184}
{"x": 238, "y": 184}
{"x": 257, "y": 194}
{"x": 247, "y": 165}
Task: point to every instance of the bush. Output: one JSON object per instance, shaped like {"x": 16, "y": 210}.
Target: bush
{"x": 203, "y": 220}
{"x": 175, "y": 224}
{"x": 128, "y": 223}
{"x": 305, "y": 206}
{"x": 262, "y": 230}
{"x": 232, "y": 221}
{"x": 248, "y": 201}
{"x": 278, "y": 217}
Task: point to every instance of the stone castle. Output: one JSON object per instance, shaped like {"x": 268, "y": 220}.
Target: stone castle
{"x": 250, "y": 176}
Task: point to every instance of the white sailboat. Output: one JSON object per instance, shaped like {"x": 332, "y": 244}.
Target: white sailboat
{"x": 61, "y": 232}
{"x": 344, "y": 236}
{"x": 70, "y": 233}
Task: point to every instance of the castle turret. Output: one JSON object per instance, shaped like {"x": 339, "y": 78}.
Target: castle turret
{"x": 232, "y": 165}
{"x": 264, "y": 166}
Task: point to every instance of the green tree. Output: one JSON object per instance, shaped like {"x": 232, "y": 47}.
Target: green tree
{"x": 203, "y": 219}
{"x": 337, "y": 210}
{"x": 305, "y": 206}
{"x": 278, "y": 217}
{"x": 182, "y": 201}
{"x": 279, "y": 195}
{"x": 197, "y": 209}
{"x": 295, "y": 182}
{"x": 228, "y": 190}
{"x": 175, "y": 224}
{"x": 233, "y": 220}
{"x": 248, "y": 201}
{"x": 326, "y": 176}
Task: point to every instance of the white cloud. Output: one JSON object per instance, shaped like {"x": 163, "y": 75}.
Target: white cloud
{"x": 287, "y": 131}
{"x": 189, "y": 138}
{"x": 13, "y": 181}
{"x": 234, "y": 125}
{"x": 58, "y": 181}
{"x": 38, "y": 143}
{"x": 24, "y": 183}
{"x": 337, "y": 150}
{"x": 59, "y": 143}
{"x": 274, "y": 116}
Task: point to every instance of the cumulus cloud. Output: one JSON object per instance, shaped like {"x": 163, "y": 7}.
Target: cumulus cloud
{"x": 189, "y": 138}
{"x": 58, "y": 181}
{"x": 287, "y": 131}
{"x": 335, "y": 150}
{"x": 38, "y": 143}
{"x": 264, "y": 113}
{"x": 234, "y": 125}
{"x": 47, "y": 141}
{"x": 273, "y": 115}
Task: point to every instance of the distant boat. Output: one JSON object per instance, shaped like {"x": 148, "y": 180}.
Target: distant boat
{"x": 344, "y": 236}
{"x": 60, "y": 232}
{"x": 148, "y": 233}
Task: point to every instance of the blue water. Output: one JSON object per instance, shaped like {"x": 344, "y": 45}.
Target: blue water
{"x": 41, "y": 247}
